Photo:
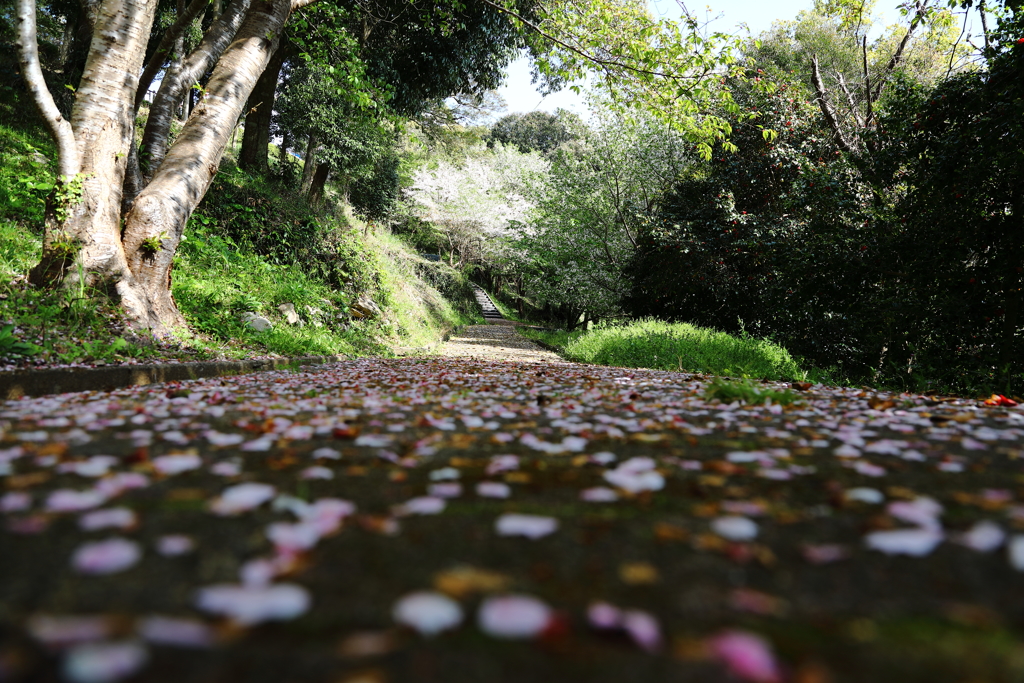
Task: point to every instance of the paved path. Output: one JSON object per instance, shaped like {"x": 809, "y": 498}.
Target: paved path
{"x": 498, "y": 340}
{"x": 466, "y": 519}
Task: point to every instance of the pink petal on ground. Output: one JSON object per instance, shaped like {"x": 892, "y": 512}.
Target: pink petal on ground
{"x": 68, "y": 500}
{"x": 218, "y": 439}
{"x": 176, "y": 631}
{"x": 292, "y": 538}
{"x": 445, "y": 489}
{"x": 61, "y": 631}
{"x": 602, "y": 615}
{"x": 635, "y": 481}
{"x": 746, "y": 655}
{"x": 177, "y": 463}
{"x": 493, "y": 489}
{"x": 118, "y": 518}
{"x": 424, "y": 505}
{"x": 531, "y": 526}
{"x": 913, "y": 542}
{"x": 921, "y": 511}
{"x": 15, "y": 501}
{"x": 120, "y": 482}
{"x": 250, "y": 605}
{"x": 985, "y": 536}
{"x": 502, "y": 463}
{"x": 513, "y": 616}
{"x": 106, "y": 557}
{"x": 326, "y": 453}
{"x": 317, "y": 472}
{"x": 104, "y": 662}
{"x": 643, "y": 628}
{"x": 242, "y": 498}
{"x": 173, "y": 545}
{"x": 427, "y": 612}
{"x": 599, "y": 494}
{"x": 226, "y": 469}
{"x": 326, "y": 514}
{"x": 825, "y": 553}
{"x": 735, "y": 528}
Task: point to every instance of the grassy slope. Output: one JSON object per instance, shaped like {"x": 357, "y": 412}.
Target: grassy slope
{"x": 217, "y": 277}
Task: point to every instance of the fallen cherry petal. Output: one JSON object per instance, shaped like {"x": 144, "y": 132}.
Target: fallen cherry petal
{"x": 254, "y": 604}
{"x": 1015, "y": 550}
{"x": 913, "y": 542}
{"x": 15, "y": 501}
{"x": 599, "y": 494}
{"x": 643, "y": 628}
{"x": 118, "y": 518}
{"x": 531, "y": 526}
{"x": 173, "y": 545}
{"x": 985, "y": 536}
{"x": 921, "y": 511}
{"x": 825, "y": 553}
{"x": 177, "y": 463}
{"x": 104, "y": 662}
{"x": 427, "y": 612}
{"x": 176, "y": 631}
{"x": 242, "y": 498}
{"x": 493, "y": 489}
{"x": 865, "y": 495}
{"x": 735, "y": 528}
{"x": 67, "y": 500}
{"x": 106, "y": 557}
{"x": 513, "y": 616}
{"x": 316, "y": 472}
{"x": 424, "y": 505}
{"x": 746, "y": 655}
{"x": 61, "y": 631}
{"x": 446, "y": 489}
{"x": 602, "y": 615}
{"x": 292, "y": 538}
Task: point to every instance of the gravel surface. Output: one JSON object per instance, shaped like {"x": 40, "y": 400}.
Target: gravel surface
{"x": 465, "y": 518}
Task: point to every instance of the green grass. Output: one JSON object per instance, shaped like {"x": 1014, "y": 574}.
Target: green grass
{"x": 681, "y": 347}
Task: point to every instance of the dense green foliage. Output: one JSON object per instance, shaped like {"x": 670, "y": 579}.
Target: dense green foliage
{"x": 681, "y": 346}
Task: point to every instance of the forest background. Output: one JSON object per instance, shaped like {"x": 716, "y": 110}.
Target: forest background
{"x": 848, "y": 191}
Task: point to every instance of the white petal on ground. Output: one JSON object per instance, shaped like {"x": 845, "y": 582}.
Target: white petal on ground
{"x": 106, "y": 557}
{"x": 1015, "y": 549}
{"x": 636, "y": 475}
{"x": 326, "y": 453}
{"x": 513, "y": 616}
{"x": 173, "y": 545}
{"x": 242, "y": 498}
{"x": 846, "y": 451}
{"x": 913, "y": 542}
{"x": 643, "y": 628}
{"x": 226, "y": 469}
{"x": 735, "y": 528}
{"x": 985, "y": 536}
{"x": 117, "y": 518}
{"x": 865, "y": 495}
{"x": 15, "y": 501}
{"x": 444, "y": 474}
{"x": 531, "y": 526}
{"x": 68, "y": 500}
{"x": 427, "y": 612}
{"x": 316, "y": 472}
{"x": 175, "y": 631}
{"x": 104, "y": 662}
{"x": 250, "y": 605}
{"x": 445, "y": 489}
{"x": 602, "y": 615}
{"x": 218, "y": 439}
{"x": 599, "y": 494}
{"x": 60, "y": 631}
{"x": 424, "y": 505}
{"x": 177, "y": 463}
{"x": 493, "y": 489}
{"x": 922, "y": 511}
{"x": 292, "y": 538}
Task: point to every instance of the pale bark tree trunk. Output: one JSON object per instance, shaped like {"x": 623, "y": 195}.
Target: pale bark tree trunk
{"x": 162, "y": 209}
{"x": 135, "y": 263}
{"x": 309, "y": 163}
{"x": 206, "y": 54}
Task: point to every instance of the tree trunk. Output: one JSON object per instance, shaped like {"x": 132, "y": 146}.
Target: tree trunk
{"x": 162, "y": 209}
{"x": 316, "y": 188}
{"x": 309, "y": 163}
{"x": 206, "y": 54}
{"x": 259, "y": 111}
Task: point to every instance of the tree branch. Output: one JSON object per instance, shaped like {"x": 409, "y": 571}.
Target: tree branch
{"x": 68, "y": 159}
{"x": 160, "y": 56}
{"x": 898, "y": 55}
{"x": 826, "y": 108}
{"x": 849, "y": 99}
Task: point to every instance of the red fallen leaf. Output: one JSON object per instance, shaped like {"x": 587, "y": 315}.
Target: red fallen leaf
{"x": 801, "y": 386}
{"x": 1000, "y": 400}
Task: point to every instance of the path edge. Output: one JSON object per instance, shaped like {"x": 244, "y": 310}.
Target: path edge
{"x": 43, "y": 382}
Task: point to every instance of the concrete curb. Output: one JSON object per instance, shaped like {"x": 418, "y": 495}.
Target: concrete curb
{"x": 14, "y": 385}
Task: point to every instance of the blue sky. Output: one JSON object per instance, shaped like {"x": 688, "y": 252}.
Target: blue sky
{"x": 758, "y": 16}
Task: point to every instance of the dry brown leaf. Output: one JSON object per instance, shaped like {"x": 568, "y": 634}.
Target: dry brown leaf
{"x": 465, "y": 580}
{"x": 638, "y": 573}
